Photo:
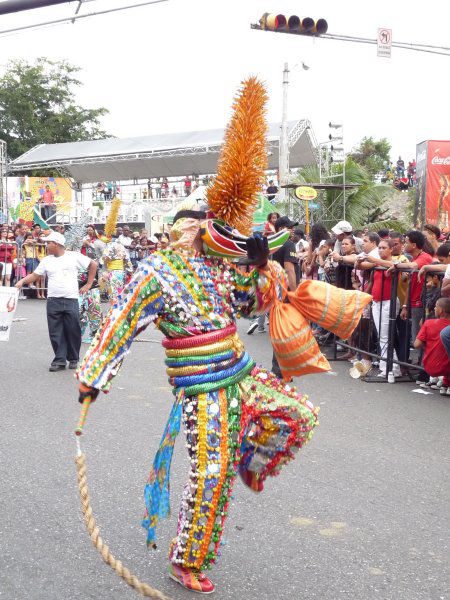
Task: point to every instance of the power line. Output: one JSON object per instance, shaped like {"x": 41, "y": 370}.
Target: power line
{"x": 74, "y": 18}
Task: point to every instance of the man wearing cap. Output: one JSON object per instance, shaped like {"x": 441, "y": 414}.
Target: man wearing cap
{"x": 342, "y": 229}
{"x": 61, "y": 267}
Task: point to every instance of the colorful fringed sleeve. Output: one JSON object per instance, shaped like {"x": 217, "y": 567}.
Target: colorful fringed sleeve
{"x": 138, "y": 305}
{"x": 255, "y": 292}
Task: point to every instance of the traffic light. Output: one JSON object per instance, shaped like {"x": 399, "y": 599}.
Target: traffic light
{"x": 293, "y": 24}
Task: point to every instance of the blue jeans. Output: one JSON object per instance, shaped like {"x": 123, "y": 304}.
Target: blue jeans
{"x": 48, "y": 211}
{"x": 31, "y": 264}
{"x": 445, "y": 339}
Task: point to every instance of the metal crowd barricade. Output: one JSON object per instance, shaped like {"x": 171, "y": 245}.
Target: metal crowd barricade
{"x": 32, "y": 262}
{"x": 403, "y": 333}
{"x": 399, "y": 330}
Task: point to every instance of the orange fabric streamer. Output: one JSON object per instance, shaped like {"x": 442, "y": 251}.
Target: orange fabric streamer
{"x": 334, "y": 309}
{"x": 294, "y": 345}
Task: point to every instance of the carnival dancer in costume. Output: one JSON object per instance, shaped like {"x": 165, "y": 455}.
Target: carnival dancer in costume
{"x": 90, "y": 310}
{"x": 89, "y": 302}
{"x": 238, "y": 418}
{"x": 118, "y": 266}
{"x": 115, "y": 257}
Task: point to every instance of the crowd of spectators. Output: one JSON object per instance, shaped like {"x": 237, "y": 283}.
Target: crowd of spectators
{"x": 157, "y": 188}
{"x": 402, "y": 177}
{"x": 370, "y": 261}
{"x": 365, "y": 260}
{"x": 22, "y": 248}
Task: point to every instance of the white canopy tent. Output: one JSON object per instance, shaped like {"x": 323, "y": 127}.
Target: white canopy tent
{"x": 168, "y": 155}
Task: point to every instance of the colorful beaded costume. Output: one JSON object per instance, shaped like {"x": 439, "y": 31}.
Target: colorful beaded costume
{"x": 237, "y": 417}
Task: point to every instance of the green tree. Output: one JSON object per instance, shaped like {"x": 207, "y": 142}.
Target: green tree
{"x": 37, "y": 106}
{"x": 372, "y": 154}
{"x": 363, "y": 201}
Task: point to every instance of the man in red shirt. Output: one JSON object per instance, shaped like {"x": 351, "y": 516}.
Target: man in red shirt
{"x": 414, "y": 243}
{"x": 436, "y": 361}
{"x": 48, "y": 206}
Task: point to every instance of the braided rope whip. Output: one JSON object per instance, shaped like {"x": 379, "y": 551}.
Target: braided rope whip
{"x": 142, "y": 588}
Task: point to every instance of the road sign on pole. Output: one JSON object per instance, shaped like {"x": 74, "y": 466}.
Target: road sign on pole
{"x": 384, "y": 42}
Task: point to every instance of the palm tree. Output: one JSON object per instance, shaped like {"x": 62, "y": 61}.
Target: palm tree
{"x": 363, "y": 204}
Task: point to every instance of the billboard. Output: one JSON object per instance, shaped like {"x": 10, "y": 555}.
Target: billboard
{"x": 24, "y": 193}
{"x": 433, "y": 183}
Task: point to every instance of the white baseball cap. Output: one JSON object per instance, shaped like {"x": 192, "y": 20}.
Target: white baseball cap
{"x": 56, "y": 237}
{"x": 342, "y": 227}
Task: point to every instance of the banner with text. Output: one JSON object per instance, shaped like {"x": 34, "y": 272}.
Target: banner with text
{"x": 24, "y": 193}
{"x": 438, "y": 183}
{"x": 8, "y": 303}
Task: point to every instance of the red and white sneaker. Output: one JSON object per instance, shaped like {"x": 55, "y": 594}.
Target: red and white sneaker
{"x": 191, "y": 580}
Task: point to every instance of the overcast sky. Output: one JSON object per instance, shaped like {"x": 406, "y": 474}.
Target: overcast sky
{"x": 175, "y": 66}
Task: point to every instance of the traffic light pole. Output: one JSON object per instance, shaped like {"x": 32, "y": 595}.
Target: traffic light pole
{"x": 283, "y": 160}
{"x": 429, "y": 48}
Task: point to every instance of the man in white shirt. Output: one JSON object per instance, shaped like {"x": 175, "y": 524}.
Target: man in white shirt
{"x": 63, "y": 317}
{"x": 370, "y": 244}
{"x": 126, "y": 237}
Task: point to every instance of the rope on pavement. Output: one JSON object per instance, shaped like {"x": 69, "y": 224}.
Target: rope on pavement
{"x": 142, "y": 588}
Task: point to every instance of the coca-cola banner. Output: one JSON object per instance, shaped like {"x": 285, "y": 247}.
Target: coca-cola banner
{"x": 433, "y": 187}
{"x": 438, "y": 183}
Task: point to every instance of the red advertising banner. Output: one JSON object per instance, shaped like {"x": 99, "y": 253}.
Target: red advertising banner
{"x": 438, "y": 183}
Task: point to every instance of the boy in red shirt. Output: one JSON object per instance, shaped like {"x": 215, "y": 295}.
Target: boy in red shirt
{"x": 436, "y": 361}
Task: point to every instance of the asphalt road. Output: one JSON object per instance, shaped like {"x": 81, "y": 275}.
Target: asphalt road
{"x": 361, "y": 514}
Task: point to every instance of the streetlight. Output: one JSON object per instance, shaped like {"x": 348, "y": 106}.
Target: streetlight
{"x": 283, "y": 160}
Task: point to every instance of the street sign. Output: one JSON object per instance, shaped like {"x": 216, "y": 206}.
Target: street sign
{"x": 313, "y": 205}
{"x": 304, "y": 192}
{"x": 384, "y": 42}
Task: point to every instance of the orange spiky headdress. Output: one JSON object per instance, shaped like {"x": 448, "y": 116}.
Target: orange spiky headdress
{"x": 243, "y": 160}
{"x": 111, "y": 221}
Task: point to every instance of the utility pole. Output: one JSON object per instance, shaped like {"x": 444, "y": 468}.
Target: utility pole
{"x": 343, "y": 170}
{"x": 283, "y": 161}
{"x": 3, "y": 198}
